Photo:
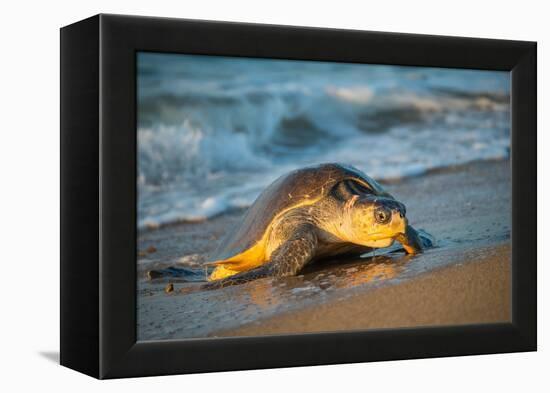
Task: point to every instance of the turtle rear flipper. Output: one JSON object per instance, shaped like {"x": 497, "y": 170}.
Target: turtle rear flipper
{"x": 185, "y": 274}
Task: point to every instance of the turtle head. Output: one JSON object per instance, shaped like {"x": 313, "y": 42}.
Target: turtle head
{"x": 374, "y": 220}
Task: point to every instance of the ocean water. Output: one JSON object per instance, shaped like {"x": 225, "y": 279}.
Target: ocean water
{"x": 214, "y": 131}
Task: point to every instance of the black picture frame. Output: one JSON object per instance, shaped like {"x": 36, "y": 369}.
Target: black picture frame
{"x": 98, "y": 195}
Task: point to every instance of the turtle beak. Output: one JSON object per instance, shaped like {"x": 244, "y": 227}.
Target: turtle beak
{"x": 399, "y": 220}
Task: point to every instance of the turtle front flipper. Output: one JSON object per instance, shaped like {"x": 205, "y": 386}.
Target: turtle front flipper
{"x": 287, "y": 260}
{"x": 414, "y": 241}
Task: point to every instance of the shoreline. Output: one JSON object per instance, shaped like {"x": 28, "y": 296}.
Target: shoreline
{"x": 466, "y": 208}
{"x": 384, "y": 182}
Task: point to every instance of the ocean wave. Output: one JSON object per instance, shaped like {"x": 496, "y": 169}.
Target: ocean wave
{"x": 209, "y": 143}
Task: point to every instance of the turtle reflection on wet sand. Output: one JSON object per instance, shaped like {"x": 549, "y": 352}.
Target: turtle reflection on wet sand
{"x": 310, "y": 214}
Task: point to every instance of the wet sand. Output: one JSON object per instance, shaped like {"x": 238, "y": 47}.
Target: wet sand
{"x": 468, "y": 293}
{"x": 464, "y": 280}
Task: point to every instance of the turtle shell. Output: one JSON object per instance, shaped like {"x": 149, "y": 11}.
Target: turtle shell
{"x": 300, "y": 187}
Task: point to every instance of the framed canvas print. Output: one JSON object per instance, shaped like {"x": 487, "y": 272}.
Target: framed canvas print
{"x": 296, "y": 196}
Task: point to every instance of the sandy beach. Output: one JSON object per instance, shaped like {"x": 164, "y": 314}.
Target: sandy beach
{"x": 465, "y": 279}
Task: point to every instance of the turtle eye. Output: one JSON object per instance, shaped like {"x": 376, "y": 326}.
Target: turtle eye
{"x": 382, "y": 215}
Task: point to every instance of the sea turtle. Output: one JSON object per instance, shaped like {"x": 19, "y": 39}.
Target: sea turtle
{"x": 308, "y": 214}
